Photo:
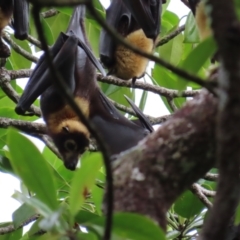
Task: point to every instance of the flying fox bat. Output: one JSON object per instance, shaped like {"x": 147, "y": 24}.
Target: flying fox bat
{"x": 19, "y": 10}
{"x": 6, "y": 10}
{"x": 198, "y": 10}
{"x": 139, "y": 23}
{"x": 21, "y": 19}
{"x": 76, "y": 63}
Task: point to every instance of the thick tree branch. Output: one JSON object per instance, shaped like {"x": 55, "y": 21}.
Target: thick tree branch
{"x": 226, "y": 31}
{"x": 150, "y": 177}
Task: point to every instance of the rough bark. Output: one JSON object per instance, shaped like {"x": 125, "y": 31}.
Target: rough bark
{"x": 149, "y": 178}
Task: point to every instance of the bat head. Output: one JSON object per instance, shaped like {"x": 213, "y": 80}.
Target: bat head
{"x": 72, "y": 140}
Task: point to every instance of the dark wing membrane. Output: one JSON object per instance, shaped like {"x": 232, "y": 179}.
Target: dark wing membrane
{"x": 76, "y": 28}
{"x": 117, "y": 132}
{"x": 36, "y": 84}
{"x": 147, "y": 13}
{"x": 142, "y": 118}
{"x": 116, "y": 15}
{"x": 21, "y": 19}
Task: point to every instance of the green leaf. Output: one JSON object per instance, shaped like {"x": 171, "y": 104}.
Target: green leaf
{"x": 47, "y": 32}
{"x": 84, "y": 216}
{"x": 30, "y": 165}
{"x": 191, "y": 32}
{"x": 173, "y": 234}
{"x": 237, "y": 215}
{"x": 84, "y": 180}
{"x": 188, "y": 205}
{"x": 172, "y": 51}
{"x": 199, "y": 56}
{"x": 17, "y": 60}
{"x": 22, "y": 214}
{"x": 87, "y": 236}
{"x": 132, "y": 226}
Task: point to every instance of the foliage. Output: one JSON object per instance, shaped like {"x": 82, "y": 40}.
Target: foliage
{"x": 62, "y": 200}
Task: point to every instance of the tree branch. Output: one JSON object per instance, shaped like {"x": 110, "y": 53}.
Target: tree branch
{"x": 148, "y": 87}
{"x": 170, "y": 36}
{"x": 168, "y": 161}
{"x": 18, "y": 49}
{"x": 226, "y": 33}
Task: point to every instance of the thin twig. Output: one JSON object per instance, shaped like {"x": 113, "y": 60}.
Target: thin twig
{"x": 34, "y": 41}
{"x": 49, "y": 13}
{"x": 211, "y": 177}
{"x": 11, "y": 93}
{"x": 170, "y": 36}
{"x": 18, "y": 49}
{"x": 148, "y": 87}
{"x": 196, "y": 189}
{"x": 10, "y": 228}
{"x": 172, "y": 104}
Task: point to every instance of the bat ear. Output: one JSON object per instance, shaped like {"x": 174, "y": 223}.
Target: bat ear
{"x": 91, "y": 56}
{"x": 65, "y": 129}
{"x": 145, "y": 122}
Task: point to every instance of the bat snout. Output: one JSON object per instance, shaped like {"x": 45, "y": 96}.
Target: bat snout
{"x": 71, "y": 164}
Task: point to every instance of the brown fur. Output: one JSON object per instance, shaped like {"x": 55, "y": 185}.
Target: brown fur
{"x": 128, "y": 64}
{"x": 5, "y": 18}
{"x": 202, "y": 21}
{"x": 66, "y": 117}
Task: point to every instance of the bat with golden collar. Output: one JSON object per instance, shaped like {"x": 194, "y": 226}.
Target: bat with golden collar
{"x": 139, "y": 23}
{"x": 76, "y": 63}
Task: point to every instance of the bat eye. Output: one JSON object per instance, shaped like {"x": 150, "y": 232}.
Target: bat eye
{"x": 70, "y": 145}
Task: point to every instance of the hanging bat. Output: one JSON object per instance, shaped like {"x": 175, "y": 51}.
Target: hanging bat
{"x": 19, "y": 10}
{"x": 198, "y": 10}
{"x": 139, "y": 23}
{"x": 6, "y": 10}
{"x": 202, "y": 22}
{"x": 21, "y": 19}
{"x": 76, "y": 63}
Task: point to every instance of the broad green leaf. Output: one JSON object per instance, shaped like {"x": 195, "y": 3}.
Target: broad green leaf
{"x": 85, "y": 216}
{"x": 47, "y": 32}
{"x": 83, "y": 181}
{"x": 172, "y": 51}
{"x": 191, "y": 31}
{"x": 57, "y": 24}
{"x": 22, "y": 214}
{"x": 17, "y": 60}
{"x": 32, "y": 168}
{"x": 188, "y": 205}
{"x": 171, "y": 17}
{"x": 65, "y": 10}
{"x": 132, "y": 226}
{"x": 199, "y": 56}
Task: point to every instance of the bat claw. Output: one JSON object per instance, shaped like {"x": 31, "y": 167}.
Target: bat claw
{"x": 133, "y": 82}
